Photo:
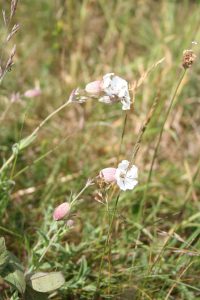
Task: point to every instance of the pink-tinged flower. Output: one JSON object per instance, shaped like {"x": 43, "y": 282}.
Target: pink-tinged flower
{"x": 115, "y": 89}
{"x": 110, "y": 89}
{"x": 32, "y": 93}
{"x": 108, "y": 174}
{"x": 94, "y": 87}
{"x": 61, "y": 211}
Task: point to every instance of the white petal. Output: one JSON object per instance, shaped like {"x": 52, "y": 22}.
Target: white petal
{"x": 123, "y": 165}
{"x": 121, "y": 184}
{"x": 133, "y": 172}
{"x": 116, "y": 86}
{"x": 125, "y": 105}
{"x": 117, "y": 174}
{"x": 130, "y": 184}
{"x": 105, "y": 99}
{"x": 107, "y": 79}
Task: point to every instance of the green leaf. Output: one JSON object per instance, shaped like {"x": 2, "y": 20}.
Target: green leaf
{"x": 16, "y": 278}
{"x": 26, "y": 141}
{"x": 3, "y": 254}
{"x": 90, "y": 288}
{"x": 22, "y": 144}
{"x": 14, "y": 273}
{"x": 46, "y": 282}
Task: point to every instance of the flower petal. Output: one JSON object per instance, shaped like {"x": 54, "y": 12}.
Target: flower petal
{"x": 123, "y": 165}
{"x": 133, "y": 172}
{"x": 108, "y": 174}
{"x": 94, "y": 87}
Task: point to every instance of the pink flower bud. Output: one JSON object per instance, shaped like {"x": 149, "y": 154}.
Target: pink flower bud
{"x": 108, "y": 174}
{"x": 32, "y": 93}
{"x": 61, "y": 211}
{"x": 94, "y": 87}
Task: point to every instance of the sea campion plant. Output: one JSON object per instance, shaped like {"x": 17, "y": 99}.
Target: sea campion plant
{"x": 33, "y": 281}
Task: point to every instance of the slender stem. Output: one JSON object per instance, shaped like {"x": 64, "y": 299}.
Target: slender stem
{"x": 6, "y": 164}
{"x": 5, "y": 111}
{"x": 160, "y": 137}
{"x": 155, "y": 154}
{"x": 189, "y": 191}
{"x": 10, "y": 232}
{"x": 142, "y": 130}
{"x": 49, "y": 245}
{"x": 34, "y": 133}
{"x": 107, "y": 240}
{"x": 88, "y": 183}
{"x": 122, "y": 136}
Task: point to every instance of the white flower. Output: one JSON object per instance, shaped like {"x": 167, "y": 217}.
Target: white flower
{"x": 126, "y": 177}
{"x": 115, "y": 89}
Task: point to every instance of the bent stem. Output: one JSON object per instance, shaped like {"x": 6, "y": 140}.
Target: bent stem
{"x": 32, "y": 136}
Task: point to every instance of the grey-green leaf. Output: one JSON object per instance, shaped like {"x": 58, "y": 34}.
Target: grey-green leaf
{"x": 17, "y": 279}
{"x": 46, "y": 282}
{"x": 13, "y": 273}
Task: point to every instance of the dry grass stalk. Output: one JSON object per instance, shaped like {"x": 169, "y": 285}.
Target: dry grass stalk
{"x": 13, "y": 8}
{"x": 6, "y": 64}
{"x": 143, "y": 128}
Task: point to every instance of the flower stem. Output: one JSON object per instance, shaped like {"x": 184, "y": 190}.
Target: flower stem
{"x": 88, "y": 183}
{"x": 143, "y": 129}
{"x": 122, "y": 136}
{"x": 153, "y": 160}
{"x": 107, "y": 240}
{"x": 49, "y": 245}
{"x": 160, "y": 137}
{"x": 33, "y": 134}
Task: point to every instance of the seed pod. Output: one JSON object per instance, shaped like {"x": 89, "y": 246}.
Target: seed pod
{"x": 188, "y": 58}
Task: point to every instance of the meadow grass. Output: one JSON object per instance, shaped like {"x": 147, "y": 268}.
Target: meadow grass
{"x": 143, "y": 244}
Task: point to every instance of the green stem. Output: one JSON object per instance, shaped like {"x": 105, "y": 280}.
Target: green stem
{"x": 160, "y": 137}
{"x": 33, "y": 134}
{"x": 154, "y": 157}
{"x": 49, "y": 245}
{"x": 107, "y": 240}
{"x": 122, "y": 136}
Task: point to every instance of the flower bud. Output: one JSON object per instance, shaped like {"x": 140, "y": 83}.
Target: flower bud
{"x": 94, "y": 87}
{"x": 61, "y": 211}
{"x": 32, "y": 93}
{"x": 108, "y": 174}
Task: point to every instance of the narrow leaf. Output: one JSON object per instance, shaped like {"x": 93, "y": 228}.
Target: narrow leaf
{"x": 3, "y": 254}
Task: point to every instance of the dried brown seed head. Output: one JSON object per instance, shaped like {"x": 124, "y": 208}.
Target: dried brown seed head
{"x": 188, "y": 58}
